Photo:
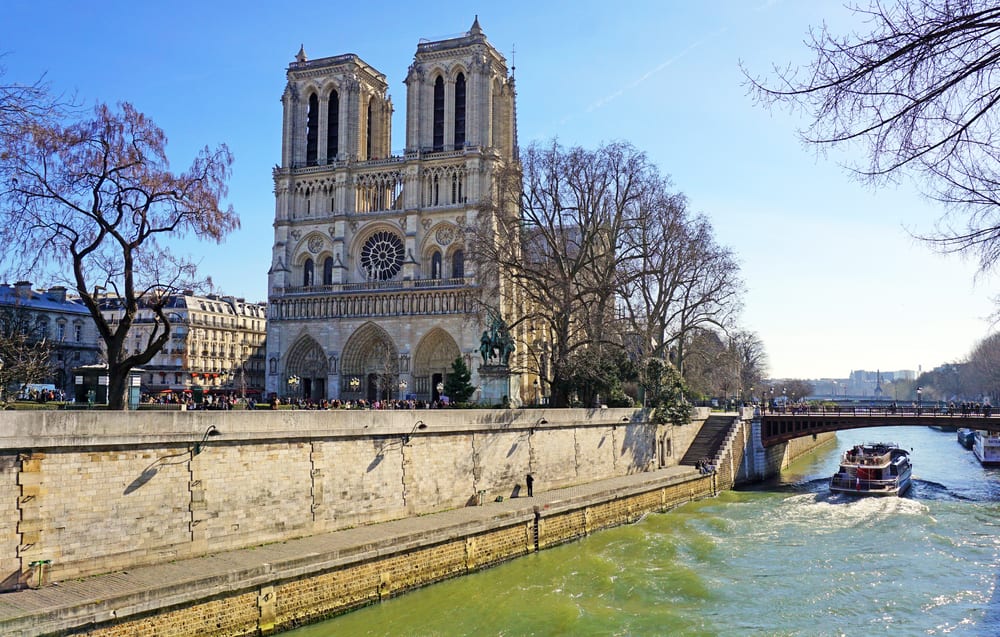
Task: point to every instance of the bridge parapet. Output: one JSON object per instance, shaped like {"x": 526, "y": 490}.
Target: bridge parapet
{"x": 782, "y": 427}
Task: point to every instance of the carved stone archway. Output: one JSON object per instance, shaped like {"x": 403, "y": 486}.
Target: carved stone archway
{"x": 369, "y": 365}
{"x": 305, "y": 370}
{"x": 432, "y": 362}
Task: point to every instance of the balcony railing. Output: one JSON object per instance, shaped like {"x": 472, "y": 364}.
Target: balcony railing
{"x": 375, "y": 286}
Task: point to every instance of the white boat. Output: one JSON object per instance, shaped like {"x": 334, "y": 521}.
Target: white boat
{"x": 875, "y": 468}
{"x": 987, "y": 447}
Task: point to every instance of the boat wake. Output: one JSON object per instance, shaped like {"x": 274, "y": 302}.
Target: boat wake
{"x": 836, "y": 511}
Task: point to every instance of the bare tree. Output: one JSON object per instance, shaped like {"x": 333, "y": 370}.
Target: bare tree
{"x": 918, "y": 91}
{"x": 96, "y": 197}
{"x": 982, "y": 376}
{"x": 24, "y": 349}
{"x": 710, "y": 365}
{"x": 556, "y": 241}
{"x": 685, "y": 281}
{"x": 751, "y": 359}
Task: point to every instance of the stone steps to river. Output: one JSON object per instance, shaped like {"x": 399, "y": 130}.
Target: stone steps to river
{"x": 709, "y": 440}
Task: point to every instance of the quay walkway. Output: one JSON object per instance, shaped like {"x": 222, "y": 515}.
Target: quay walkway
{"x": 71, "y": 607}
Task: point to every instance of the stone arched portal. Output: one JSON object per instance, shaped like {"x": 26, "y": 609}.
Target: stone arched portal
{"x": 432, "y": 362}
{"x": 369, "y": 366}
{"x": 306, "y": 370}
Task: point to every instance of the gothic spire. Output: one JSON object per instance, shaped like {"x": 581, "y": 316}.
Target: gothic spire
{"x": 476, "y": 29}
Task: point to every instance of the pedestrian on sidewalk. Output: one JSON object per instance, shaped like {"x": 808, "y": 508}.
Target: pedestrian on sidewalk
{"x": 529, "y": 480}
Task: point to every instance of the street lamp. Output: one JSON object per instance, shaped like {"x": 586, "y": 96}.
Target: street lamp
{"x": 402, "y": 389}
{"x": 440, "y": 389}
{"x": 535, "y": 385}
{"x": 293, "y": 383}
{"x": 355, "y": 383}
{"x": 919, "y": 392}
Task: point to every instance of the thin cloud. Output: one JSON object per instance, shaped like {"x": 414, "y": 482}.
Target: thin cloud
{"x": 648, "y": 74}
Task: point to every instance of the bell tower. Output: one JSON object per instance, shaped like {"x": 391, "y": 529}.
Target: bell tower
{"x": 336, "y": 109}
{"x": 458, "y": 95}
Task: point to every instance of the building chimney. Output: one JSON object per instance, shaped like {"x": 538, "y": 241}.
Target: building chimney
{"x": 57, "y": 294}
{"x": 22, "y": 289}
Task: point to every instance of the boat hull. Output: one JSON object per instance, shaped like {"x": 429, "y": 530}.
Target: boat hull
{"x": 901, "y": 486}
{"x": 966, "y": 438}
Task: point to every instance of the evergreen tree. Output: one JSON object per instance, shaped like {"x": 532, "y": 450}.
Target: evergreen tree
{"x": 665, "y": 393}
{"x": 457, "y": 387}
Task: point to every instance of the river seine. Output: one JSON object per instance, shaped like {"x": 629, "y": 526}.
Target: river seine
{"x": 785, "y": 558}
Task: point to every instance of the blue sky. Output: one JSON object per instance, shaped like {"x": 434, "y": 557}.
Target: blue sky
{"x": 834, "y": 280}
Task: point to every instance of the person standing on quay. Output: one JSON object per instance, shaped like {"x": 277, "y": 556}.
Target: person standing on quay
{"x": 529, "y": 481}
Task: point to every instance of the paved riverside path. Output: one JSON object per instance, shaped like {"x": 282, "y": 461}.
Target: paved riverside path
{"x": 83, "y": 602}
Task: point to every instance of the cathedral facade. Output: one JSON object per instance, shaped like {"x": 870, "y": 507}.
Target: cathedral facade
{"x": 372, "y": 289}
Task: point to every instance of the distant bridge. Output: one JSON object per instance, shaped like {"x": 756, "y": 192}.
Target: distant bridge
{"x": 778, "y": 427}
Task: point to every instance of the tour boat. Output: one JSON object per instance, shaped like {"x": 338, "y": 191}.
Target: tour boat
{"x": 876, "y": 468}
{"x": 966, "y": 437}
{"x": 987, "y": 447}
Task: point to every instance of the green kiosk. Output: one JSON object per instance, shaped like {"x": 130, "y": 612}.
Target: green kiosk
{"x": 90, "y": 384}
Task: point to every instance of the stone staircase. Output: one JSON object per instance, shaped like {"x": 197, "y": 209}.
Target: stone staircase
{"x": 709, "y": 440}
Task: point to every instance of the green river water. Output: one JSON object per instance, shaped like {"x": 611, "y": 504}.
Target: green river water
{"x": 785, "y": 558}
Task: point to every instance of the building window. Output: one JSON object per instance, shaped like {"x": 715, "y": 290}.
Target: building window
{"x": 460, "y": 111}
{"x": 382, "y": 256}
{"x": 332, "y": 127}
{"x": 78, "y": 333}
{"x": 307, "y": 273}
{"x": 312, "y": 130}
{"x": 368, "y": 133}
{"x": 458, "y": 264}
{"x": 436, "y": 265}
{"x": 328, "y": 271}
{"x": 439, "y": 114}
{"x": 60, "y": 332}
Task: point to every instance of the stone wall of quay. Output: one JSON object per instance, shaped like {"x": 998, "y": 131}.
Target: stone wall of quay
{"x": 93, "y": 492}
{"x": 281, "y": 605}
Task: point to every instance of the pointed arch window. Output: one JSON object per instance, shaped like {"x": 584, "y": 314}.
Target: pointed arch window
{"x": 312, "y": 130}
{"x": 458, "y": 264}
{"x": 307, "y": 273}
{"x": 439, "y": 114}
{"x": 436, "y": 265}
{"x": 460, "y": 111}
{"x": 368, "y": 133}
{"x": 328, "y": 271}
{"x": 332, "y": 127}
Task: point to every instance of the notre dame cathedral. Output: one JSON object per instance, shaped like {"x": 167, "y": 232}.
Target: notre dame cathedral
{"x": 372, "y": 291}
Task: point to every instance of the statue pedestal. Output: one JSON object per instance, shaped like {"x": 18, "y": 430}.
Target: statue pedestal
{"x": 497, "y": 383}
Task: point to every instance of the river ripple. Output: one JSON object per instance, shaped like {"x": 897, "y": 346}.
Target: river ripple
{"x": 782, "y": 559}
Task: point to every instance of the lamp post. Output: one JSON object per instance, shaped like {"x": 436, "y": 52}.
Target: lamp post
{"x": 535, "y": 385}
{"x": 402, "y": 389}
{"x": 919, "y": 392}
{"x": 440, "y": 389}
{"x": 355, "y": 384}
{"x": 293, "y": 384}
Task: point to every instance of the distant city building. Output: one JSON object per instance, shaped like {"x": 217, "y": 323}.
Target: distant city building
{"x": 65, "y": 324}
{"x": 859, "y": 384}
{"x": 371, "y": 286}
{"x": 217, "y": 345}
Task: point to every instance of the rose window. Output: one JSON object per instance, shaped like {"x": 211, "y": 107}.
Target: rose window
{"x": 382, "y": 256}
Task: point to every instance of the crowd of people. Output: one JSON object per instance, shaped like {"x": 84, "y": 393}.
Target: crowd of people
{"x": 226, "y": 401}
